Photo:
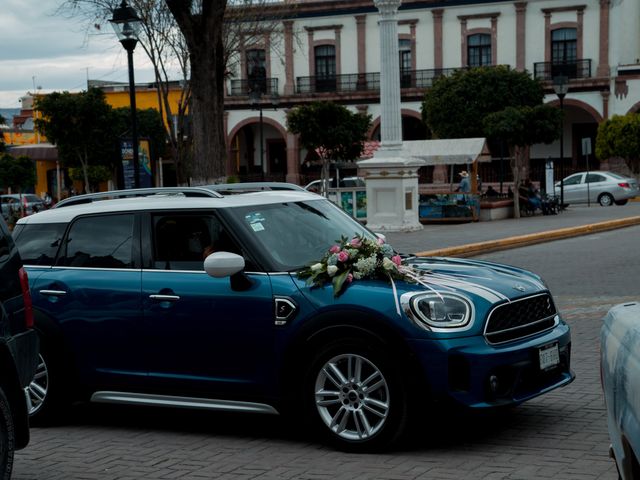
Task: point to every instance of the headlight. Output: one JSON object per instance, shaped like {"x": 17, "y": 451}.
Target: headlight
{"x": 444, "y": 311}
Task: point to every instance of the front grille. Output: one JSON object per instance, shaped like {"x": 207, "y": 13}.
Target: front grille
{"x": 520, "y": 318}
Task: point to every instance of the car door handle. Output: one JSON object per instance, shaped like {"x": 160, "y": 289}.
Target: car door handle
{"x": 53, "y": 293}
{"x": 164, "y": 298}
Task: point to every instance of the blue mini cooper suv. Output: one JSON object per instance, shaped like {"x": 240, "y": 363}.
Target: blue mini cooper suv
{"x": 198, "y": 303}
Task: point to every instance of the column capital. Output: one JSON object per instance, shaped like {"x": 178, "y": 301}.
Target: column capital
{"x": 387, "y": 7}
{"x": 522, "y": 6}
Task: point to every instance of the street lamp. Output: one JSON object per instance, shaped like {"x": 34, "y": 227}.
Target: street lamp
{"x": 126, "y": 24}
{"x": 255, "y": 96}
{"x": 561, "y": 87}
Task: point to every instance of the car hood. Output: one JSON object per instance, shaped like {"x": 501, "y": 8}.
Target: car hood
{"x": 490, "y": 281}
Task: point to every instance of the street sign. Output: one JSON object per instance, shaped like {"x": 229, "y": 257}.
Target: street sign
{"x": 586, "y": 146}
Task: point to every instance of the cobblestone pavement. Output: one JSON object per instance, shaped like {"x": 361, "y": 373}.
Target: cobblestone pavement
{"x": 561, "y": 435}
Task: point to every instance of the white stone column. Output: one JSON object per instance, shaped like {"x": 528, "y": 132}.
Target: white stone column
{"x": 392, "y": 180}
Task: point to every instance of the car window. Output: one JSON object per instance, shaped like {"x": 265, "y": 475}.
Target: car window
{"x": 100, "y": 242}
{"x": 617, "y": 176}
{"x": 595, "y": 178}
{"x": 182, "y": 242}
{"x": 295, "y": 234}
{"x": 38, "y": 244}
{"x": 573, "y": 180}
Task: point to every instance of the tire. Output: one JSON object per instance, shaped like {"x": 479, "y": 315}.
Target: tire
{"x": 48, "y": 393}
{"x": 605, "y": 199}
{"x": 356, "y": 398}
{"x": 7, "y": 438}
{"x": 622, "y": 202}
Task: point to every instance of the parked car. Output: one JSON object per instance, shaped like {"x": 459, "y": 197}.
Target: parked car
{"x": 18, "y": 351}
{"x": 132, "y": 309}
{"x": 605, "y": 188}
{"x": 620, "y": 373}
{"x": 12, "y": 203}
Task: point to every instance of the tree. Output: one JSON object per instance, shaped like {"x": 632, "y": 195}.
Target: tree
{"x": 521, "y": 127}
{"x": 194, "y": 41}
{"x": 149, "y": 126}
{"x": 18, "y": 173}
{"x": 497, "y": 103}
{"x": 331, "y": 130}
{"x": 81, "y": 125}
{"x": 619, "y": 136}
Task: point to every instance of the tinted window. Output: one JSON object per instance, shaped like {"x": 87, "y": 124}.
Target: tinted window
{"x": 182, "y": 242}
{"x": 594, "y": 178}
{"x": 100, "y": 242}
{"x": 38, "y": 244}
{"x": 575, "y": 180}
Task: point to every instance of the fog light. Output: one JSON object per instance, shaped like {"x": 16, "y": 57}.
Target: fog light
{"x": 493, "y": 383}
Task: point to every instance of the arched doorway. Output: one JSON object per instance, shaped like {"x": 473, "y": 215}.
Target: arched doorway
{"x": 258, "y": 151}
{"x": 413, "y": 128}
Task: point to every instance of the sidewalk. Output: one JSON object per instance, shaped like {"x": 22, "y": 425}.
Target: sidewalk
{"x": 472, "y": 238}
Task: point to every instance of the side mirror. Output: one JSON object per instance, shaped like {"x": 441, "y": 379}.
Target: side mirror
{"x": 223, "y": 264}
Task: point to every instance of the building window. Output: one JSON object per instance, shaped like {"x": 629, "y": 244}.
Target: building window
{"x": 256, "y": 70}
{"x": 404, "y": 48}
{"x": 479, "y": 50}
{"x": 564, "y": 52}
{"x": 325, "y": 62}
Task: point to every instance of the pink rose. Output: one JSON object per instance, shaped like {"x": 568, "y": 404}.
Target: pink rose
{"x": 349, "y": 278}
{"x": 355, "y": 242}
{"x": 343, "y": 256}
{"x": 380, "y": 241}
{"x": 396, "y": 259}
{"x": 335, "y": 249}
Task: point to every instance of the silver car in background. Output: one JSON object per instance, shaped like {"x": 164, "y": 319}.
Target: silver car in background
{"x": 605, "y": 188}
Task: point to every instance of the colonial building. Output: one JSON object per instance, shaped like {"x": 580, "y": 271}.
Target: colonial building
{"x": 329, "y": 50}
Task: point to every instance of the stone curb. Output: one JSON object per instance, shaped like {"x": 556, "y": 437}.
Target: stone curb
{"x": 472, "y": 249}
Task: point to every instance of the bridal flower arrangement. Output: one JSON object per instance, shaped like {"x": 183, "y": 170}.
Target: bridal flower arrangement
{"x": 354, "y": 259}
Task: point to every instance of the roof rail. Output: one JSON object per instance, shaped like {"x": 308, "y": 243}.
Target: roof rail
{"x": 138, "y": 192}
{"x": 231, "y": 188}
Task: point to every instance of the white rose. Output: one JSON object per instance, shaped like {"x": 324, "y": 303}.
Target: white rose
{"x": 332, "y": 270}
{"x": 316, "y": 267}
{"x": 387, "y": 264}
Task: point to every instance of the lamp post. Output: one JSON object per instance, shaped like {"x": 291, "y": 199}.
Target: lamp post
{"x": 561, "y": 87}
{"x": 255, "y": 95}
{"x": 126, "y": 24}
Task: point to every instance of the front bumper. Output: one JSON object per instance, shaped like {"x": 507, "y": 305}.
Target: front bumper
{"x": 478, "y": 375}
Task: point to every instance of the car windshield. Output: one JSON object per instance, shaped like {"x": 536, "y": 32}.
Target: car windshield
{"x": 296, "y": 234}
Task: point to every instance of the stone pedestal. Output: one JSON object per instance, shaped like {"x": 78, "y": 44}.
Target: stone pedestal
{"x": 392, "y": 193}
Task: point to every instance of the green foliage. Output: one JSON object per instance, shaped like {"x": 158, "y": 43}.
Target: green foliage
{"x": 456, "y": 106}
{"x": 96, "y": 174}
{"x": 149, "y": 126}
{"x": 619, "y": 136}
{"x": 331, "y": 129}
{"x": 81, "y": 125}
{"x": 525, "y": 125}
{"x": 17, "y": 173}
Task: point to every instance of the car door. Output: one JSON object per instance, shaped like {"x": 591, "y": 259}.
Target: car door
{"x": 597, "y": 184}
{"x": 93, "y": 295}
{"x": 203, "y": 335}
{"x": 575, "y": 191}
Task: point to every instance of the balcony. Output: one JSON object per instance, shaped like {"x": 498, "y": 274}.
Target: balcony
{"x": 352, "y": 82}
{"x": 368, "y": 82}
{"x": 547, "y": 71}
{"x": 242, "y": 87}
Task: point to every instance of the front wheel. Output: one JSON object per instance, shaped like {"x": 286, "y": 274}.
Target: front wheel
{"x": 7, "y": 438}
{"x": 356, "y": 397}
{"x": 606, "y": 200}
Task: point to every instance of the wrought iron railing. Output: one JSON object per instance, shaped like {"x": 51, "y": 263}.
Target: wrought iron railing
{"x": 573, "y": 69}
{"x": 368, "y": 82}
{"x": 242, "y": 87}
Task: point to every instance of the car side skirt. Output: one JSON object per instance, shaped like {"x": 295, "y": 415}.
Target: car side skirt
{"x": 128, "y": 398}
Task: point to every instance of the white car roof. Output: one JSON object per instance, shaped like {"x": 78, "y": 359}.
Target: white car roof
{"x": 67, "y": 214}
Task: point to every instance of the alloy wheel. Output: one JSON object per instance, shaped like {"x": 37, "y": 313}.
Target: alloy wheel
{"x": 352, "y": 397}
{"x": 36, "y": 391}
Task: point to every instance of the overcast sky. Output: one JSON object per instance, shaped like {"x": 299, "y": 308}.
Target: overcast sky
{"x": 53, "y": 53}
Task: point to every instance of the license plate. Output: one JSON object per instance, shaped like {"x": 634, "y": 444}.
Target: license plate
{"x": 549, "y": 356}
